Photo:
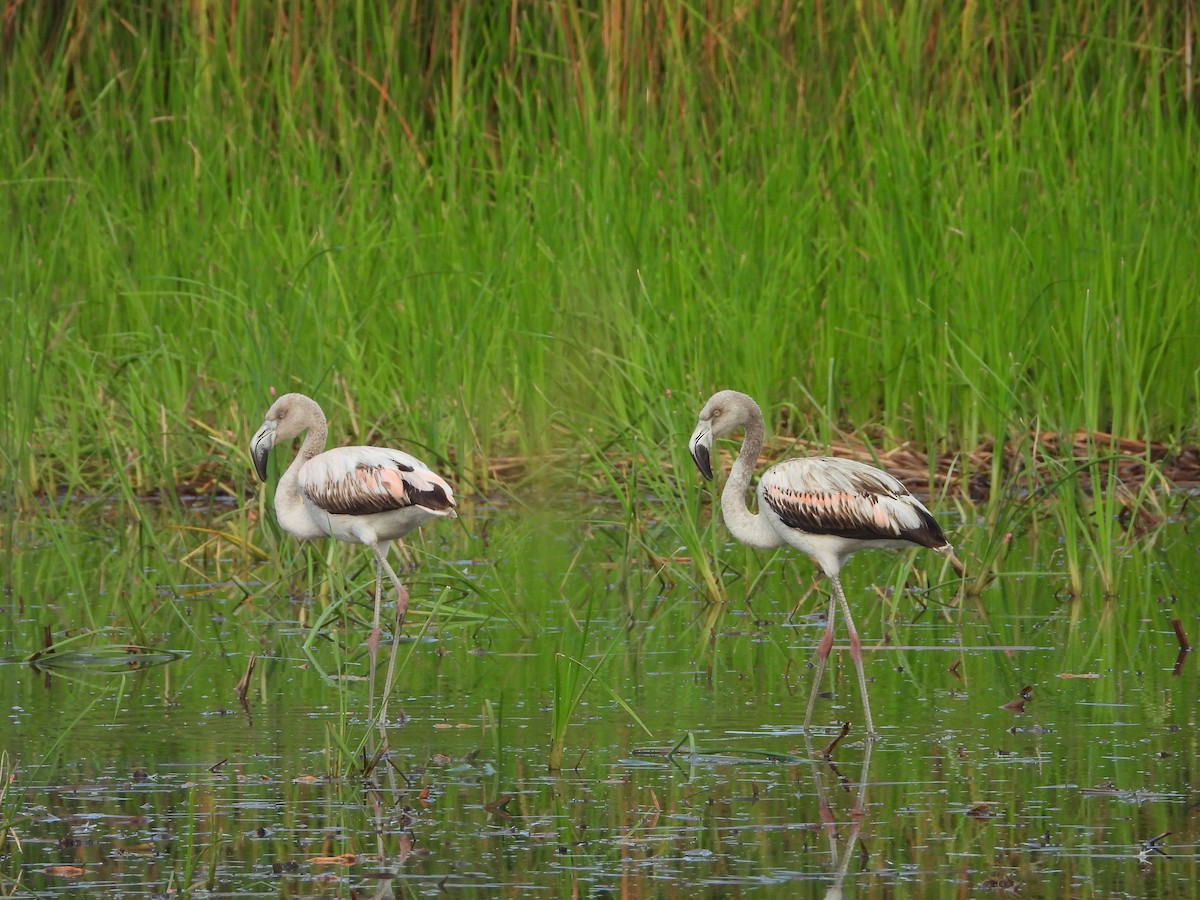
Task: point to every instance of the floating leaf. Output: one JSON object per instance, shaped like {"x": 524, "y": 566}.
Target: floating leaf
{"x": 346, "y": 859}
{"x": 111, "y": 659}
{"x": 65, "y": 871}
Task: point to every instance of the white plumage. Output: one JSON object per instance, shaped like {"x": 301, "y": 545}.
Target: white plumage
{"x": 361, "y": 495}
{"x": 828, "y": 508}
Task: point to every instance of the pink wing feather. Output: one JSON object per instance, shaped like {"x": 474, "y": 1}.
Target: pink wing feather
{"x": 356, "y": 481}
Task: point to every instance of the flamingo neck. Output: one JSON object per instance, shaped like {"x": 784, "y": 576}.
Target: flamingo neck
{"x": 749, "y": 528}
{"x": 314, "y": 441}
{"x": 288, "y": 490}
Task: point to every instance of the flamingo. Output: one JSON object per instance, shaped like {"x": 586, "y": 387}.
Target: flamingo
{"x": 361, "y": 495}
{"x": 828, "y": 508}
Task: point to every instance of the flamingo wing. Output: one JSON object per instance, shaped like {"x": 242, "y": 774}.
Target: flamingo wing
{"x": 849, "y": 499}
{"x": 359, "y": 481}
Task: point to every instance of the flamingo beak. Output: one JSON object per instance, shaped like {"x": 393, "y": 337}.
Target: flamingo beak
{"x": 260, "y": 446}
{"x": 700, "y": 446}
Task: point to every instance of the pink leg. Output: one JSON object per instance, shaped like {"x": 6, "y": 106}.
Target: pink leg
{"x": 401, "y": 610}
{"x": 823, "y": 647}
{"x": 373, "y": 639}
{"x": 826, "y": 642}
{"x": 856, "y": 655}
{"x": 401, "y": 606}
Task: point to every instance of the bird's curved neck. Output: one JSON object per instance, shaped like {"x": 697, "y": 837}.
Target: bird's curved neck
{"x": 746, "y": 526}
{"x": 314, "y": 443}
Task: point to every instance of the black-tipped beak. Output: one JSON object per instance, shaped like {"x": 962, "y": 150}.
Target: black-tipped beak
{"x": 260, "y": 446}
{"x": 699, "y": 446}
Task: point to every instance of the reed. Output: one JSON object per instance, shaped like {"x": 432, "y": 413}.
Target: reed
{"x": 9, "y": 808}
{"x": 544, "y": 232}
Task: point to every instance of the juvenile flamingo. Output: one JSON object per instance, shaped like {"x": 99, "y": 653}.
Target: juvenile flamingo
{"x": 828, "y": 508}
{"x": 361, "y": 495}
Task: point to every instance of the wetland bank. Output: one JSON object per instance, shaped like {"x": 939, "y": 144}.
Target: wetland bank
{"x": 524, "y": 245}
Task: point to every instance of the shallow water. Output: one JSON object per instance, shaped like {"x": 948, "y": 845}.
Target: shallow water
{"x": 156, "y": 779}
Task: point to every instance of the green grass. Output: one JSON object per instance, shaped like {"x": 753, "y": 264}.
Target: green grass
{"x": 940, "y": 225}
{"x": 549, "y": 238}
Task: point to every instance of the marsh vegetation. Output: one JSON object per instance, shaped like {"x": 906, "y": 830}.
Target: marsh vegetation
{"x": 525, "y": 241}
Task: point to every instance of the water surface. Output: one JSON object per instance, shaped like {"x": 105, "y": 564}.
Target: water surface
{"x": 143, "y": 780}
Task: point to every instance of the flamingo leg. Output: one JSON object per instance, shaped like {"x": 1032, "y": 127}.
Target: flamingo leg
{"x": 373, "y": 638}
{"x": 401, "y": 590}
{"x": 381, "y": 551}
{"x": 823, "y": 648}
{"x": 855, "y": 654}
